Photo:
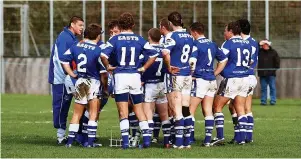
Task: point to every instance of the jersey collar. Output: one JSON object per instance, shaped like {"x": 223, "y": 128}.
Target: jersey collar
{"x": 155, "y": 44}
{"x": 66, "y": 29}
{"x": 238, "y": 37}
{"x": 89, "y": 42}
{"x": 201, "y": 37}
{"x": 127, "y": 33}
{"x": 247, "y": 37}
{"x": 180, "y": 30}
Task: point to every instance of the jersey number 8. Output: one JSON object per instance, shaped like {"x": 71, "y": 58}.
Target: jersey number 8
{"x": 185, "y": 53}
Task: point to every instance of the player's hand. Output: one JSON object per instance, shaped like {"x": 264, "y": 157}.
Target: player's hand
{"x": 173, "y": 70}
{"x": 110, "y": 68}
{"x": 73, "y": 75}
{"x": 141, "y": 69}
{"x": 105, "y": 94}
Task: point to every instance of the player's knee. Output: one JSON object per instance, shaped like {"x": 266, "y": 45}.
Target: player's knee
{"x": 136, "y": 98}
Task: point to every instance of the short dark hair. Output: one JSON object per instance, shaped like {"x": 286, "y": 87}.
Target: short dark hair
{"x": 126, "y": 21}
{"x": 74, "y": 19}
{"x": 154, "y": 34}
{"x": 92, "y": 31}
{"x": 245, "y": 26}
{"x": 166, "y": 24}
{"x": 234, "y": 27}
{"x": 198, "y": 27}
{"x": 113, "y": 23}
{"x": 175, "y": 18}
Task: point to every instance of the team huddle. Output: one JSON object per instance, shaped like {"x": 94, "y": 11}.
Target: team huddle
{"x": 157, "y": 83}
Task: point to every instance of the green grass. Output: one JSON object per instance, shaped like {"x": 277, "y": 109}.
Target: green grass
{"x": 26, "y": 131}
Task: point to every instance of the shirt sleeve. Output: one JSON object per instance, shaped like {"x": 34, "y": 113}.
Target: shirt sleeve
{"x": 169, "y": 43}
{"x": 62, "y": 45}
{"x": 195, "y": 51}
{"x": 108, "y": 48}
{"x": 149, "y": 51}
{"x": 220, "y": 56}
{"x": 226, "y": 48}
{"x": 102, "y": 68}
{"x": 67, "y": 57}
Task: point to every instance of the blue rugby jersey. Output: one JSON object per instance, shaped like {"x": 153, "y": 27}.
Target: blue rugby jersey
{"x": 238, "y": 52}
{"x": 205, "y": 51}
{"x": 179, "y": 44}
{"x": 87, "y": 58}
{"x": 254, "y": 55}
{"x": 126, "y": 48}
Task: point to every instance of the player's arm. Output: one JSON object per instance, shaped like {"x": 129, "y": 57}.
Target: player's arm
{"x": 65, "y": 61}
{"x": 193, "y": 58}
{"x": 222, "y": 61}
{"x": 149, "y": 52}
{"x": 105, "y": 54}
{"x": 168, "y": 45}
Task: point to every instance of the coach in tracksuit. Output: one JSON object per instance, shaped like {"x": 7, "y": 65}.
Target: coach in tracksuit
{"x": 56, "y": 77}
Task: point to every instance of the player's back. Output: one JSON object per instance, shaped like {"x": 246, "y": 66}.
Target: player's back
{"x": 155, "y": 73}
{"x": 86, "y": 55}
{"x": 181, "y": 51}
{"x": 127, "y": 49}
{"x": 254, "y": 54}
{"x": 205, "y": 51}
{"x": 238, "y": 52}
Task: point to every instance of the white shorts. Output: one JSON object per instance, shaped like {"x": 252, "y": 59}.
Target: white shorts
{"x": 70, "y": 84}
{"x": 201, "y": 88}
{"x": 154, "y": 92}
{"x": 177, "y": 83}
{"x": 86, "y": 89}
{"x": 232, "y": 87}
{"x": 127, "y": 83}
{"x": 253, "y": 84}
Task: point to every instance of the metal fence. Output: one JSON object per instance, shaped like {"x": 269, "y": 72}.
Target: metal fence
{"x": 30, "y": 27}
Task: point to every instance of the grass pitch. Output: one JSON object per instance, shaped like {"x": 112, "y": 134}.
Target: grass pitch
{"x": 27, "y": 131}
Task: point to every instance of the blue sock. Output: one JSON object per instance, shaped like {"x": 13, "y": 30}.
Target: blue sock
{"x": 219, "y": 124}
{"x": 187, "y": 130}
{"x": 250, "y": 125}
{"x": 179, "y": 131}
{"x": 92, "y": 128}
{"x": 146, "y": 133}
{"x": 151, "y": 126}
{"x": 134, "y": 123}
{"x": 236, "y": 128}
{"x": 166, "y": 126}
{"x": 192, "y": 139}
{"x": 172, "y": 130}
{"x": 242, "y": 121}
{"x": 157, "y": 125}
{"x": 73, "y": 129}
{"x": 85, "y": 120}
{"x": 124, "y": 128}
{"x": 209, "y": 123}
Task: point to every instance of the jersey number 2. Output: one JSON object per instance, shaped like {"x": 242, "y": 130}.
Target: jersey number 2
{"x": 80, "y": 66}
